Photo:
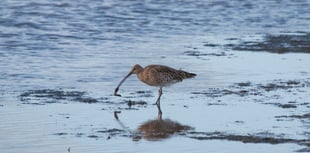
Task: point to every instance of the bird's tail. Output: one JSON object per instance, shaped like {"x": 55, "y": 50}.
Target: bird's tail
{"x": 190, "y": 75}
{"x": 186, "y": 75}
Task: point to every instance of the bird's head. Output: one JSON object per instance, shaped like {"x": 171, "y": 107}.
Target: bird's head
{"x": 136, "y": 69}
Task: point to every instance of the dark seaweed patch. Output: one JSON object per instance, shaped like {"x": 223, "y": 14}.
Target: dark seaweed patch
{"x": 93, "y": 136}
{"x": 86, "y": 100}
{"x": 250, "y": 138}
{"x": 108, "y": 133}
{"x": 145, "y": 93}
{"x": 44, "y": 96}
{"x": 112, "y": 132}
{"x": 33, "y": 103}
{"x": 261, "y": 92}
{"x": 60, "y": 134}
{"x": 247, "y": 88}
{"x": 276, "y": 44}
{"x": 131, "y": 103}
{"x": 287, "y": 106}
{"x": 105, "y": 133}
{"x": 52, "y": 94}
{"x": 276, "y": 85}
{"x": 243, "y": 84}
{"x": 216, "y": 92}
{"x": 281, "y": 105}
{"x": 304, "y": 116}
{"x": 210, "y": 45}
{"x": 281, "y": 85}
{"x": 198, "y": 53}
{"x": 142, "y": 94}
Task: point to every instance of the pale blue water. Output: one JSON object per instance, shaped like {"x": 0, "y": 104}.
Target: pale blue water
{"x": 89, "y": 46}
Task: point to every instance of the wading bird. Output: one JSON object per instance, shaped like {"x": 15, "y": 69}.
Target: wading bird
{"x": 156, "y": 75}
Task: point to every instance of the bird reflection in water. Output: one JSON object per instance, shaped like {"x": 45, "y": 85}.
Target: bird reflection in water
{"x": 155, "y": 130}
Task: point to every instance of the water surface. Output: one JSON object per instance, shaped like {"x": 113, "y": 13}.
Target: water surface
{"x": 60, "y": 62}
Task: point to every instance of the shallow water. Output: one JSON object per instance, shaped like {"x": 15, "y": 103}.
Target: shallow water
{"x": 60, "y": 62}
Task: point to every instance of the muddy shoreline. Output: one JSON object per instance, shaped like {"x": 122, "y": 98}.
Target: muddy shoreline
{"x": 155, "y": 130}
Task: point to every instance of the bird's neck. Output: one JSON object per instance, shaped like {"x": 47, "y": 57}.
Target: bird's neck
{"x": 139, "y": 71}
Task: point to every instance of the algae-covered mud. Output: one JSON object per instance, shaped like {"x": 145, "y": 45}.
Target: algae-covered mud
{"x": 60, "y": 63}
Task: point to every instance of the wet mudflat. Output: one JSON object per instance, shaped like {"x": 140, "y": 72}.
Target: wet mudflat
{"x": 275, "y": 96}
{"x": 61, "y": 61}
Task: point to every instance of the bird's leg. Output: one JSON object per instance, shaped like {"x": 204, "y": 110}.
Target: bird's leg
{"x": 160, "y": 92}
{"x": 159, "y": 116}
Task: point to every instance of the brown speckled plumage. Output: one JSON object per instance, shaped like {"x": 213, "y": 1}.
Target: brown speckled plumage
{"x": 161, "y": 76}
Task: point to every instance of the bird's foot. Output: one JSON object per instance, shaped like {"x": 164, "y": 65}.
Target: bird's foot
{"x": 115, "y": 92}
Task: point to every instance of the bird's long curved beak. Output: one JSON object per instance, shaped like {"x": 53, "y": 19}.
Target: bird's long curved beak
{"x": 116, "y": 89}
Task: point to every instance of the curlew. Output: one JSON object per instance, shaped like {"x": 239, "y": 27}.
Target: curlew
{"x": 156, "y": 75}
